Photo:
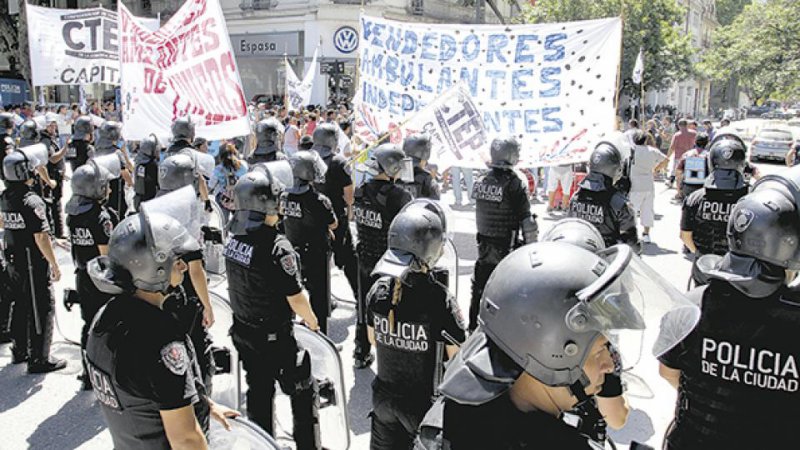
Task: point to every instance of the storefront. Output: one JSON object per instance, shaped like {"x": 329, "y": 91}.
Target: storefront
{"x": 260, "y": 57}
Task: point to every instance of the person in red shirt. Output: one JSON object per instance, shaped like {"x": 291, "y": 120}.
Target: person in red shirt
{"x": 682, "y": 142}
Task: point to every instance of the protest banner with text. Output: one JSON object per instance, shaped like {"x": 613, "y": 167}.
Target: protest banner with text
{"x": 552, "y": 86}
{"x": 186, "y": 68}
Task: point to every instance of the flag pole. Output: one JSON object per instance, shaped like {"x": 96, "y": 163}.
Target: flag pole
{"x": 286, "y": 82}
{"x": 619, "y": 66}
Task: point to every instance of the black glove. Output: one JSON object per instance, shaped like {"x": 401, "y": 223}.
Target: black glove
{"x": 212, "y": 234}
{"x": 70, "y": 298}
{"x": 209, "y": 208}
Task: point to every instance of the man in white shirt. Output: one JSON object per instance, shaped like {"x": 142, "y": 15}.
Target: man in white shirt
{"x": 644, "y": 161}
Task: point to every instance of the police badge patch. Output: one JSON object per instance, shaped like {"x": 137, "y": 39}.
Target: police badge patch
{"x": 727, "y": 153}
{"x": 108, "y": 227}
{"x": 40, "y": 212}
{"x": 175, "y": 357}
{"x": 743, "y": 219}
{"x": 289, "y": 264}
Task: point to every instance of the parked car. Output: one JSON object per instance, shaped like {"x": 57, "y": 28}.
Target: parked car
{"x": 772, "y": 143}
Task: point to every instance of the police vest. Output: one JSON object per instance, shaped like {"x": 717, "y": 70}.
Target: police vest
{"x": 694, "y": 170}
{"x": 714, "y": 207}
{"x": 79, "y": 152}
{"x": 251, "y": 271}
{"x": 20, "y": 207}
{"x": 257, "y": 158}
{"x": 422, "y": 186}
{"x": 741, "y": 380}
{"x": 372, "y": 219}
{"x": 303, "y": 229}
{"x": 146, "y": 178}
{"x": 599, "y": 207}
{"x": 495, "y": 216}
{"x": 83, "y": 234}
{"x": 54, "y": 170}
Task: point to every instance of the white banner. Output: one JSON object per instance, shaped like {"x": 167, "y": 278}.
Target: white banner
{"x": 75, "y": 46}
{"x": 298, "y": 93}
{"x": 185, "y": 68}
{"x": 552, "y": 86}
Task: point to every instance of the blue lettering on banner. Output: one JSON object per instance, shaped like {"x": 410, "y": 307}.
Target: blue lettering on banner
{"x": 394, "y": 39}
{"x": 518, "y": 84}
{"x": 471, "y": 47}
{"x": 551, "y": 43}
{"x": 427, "y": 46}
{"x": 530, "y": 121}
{"x": 521, "y": 55}
{"x": 495, "y": 75}
{"x": 447, "y": 48}
{"x": 557, "y": 125}
{"x": 445, "y": 80}
{"x": 497, "y": 43}
{"x": 470, "y": 77}
{"x": 420, "y": 79}
{"x": 391, "y": 68}
{"x": 555, "y": 89}
{"x": 410, "y": 46}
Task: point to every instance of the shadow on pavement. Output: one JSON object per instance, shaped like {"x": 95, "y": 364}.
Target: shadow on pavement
{"x": 76, "y": 422}
{"x": 639, "y": 428}
{"x": 16, "y": 385}
{"x": 360, "y": 401}
{"x": 653, "y": 249}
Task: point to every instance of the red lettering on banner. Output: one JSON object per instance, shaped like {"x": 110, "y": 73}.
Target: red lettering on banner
{"x": 153, "y": 81}
{"x": 229, "y": 69}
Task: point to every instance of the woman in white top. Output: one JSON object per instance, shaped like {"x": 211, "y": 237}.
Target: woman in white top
{"x": 64, "y": 125}
{"x": 291, "y": 137}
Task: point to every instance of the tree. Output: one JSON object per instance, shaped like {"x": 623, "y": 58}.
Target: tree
{"x": 761, "y": 47}
{"x": 8, "y": 35}
{"x": 648, "y": 24}
{"x": 727, "y": 10}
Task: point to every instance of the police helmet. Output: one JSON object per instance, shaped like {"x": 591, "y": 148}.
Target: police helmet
{"x": 176, "y": 171}
{"x": 417, "y": 146}
{"x": 6, "y": 122}
{"x": 416, "y": 239}
{"x": 325, "y": 139}
{"x": 183, "y": 129}
{"x": 28, "y": 133}
{"x": 268, "y": 133}
{"x": 91, "y": 181}
{"x": 545, "y": 306}
{"x": 150, "y": 146}
{"x": 728, "y": 154}
{"x": 82, "y": 127}
{"x": 308, "y": 167}
{"x": 255, "y": 197}
{"x": 141, "y": 254}
{"x": 109, "y": 133}
{"x": 388, "y": 159}
{"x": 305, "y": 143}
{"x": 576, "y": 232}
{"x": 606, "y": 159}
{"x": 17, "y": 167}
{"x": 504, "y": 153}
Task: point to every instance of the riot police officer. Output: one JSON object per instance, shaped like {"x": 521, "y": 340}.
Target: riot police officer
{"x": 182, "y": 135}
{"x": 90, "y": 225}
{"x": 598, "y": 202}
{"x": 410, "y": 312}
{"x": 736, "y": 373}
{"x": 55, "y": 171}
{"x": 31, "y": 263}
{"x": 377, "y": 202}
{"x": 269, "y": 139}
{"x": 502, "y": 211}
{"x": 265, "y": 292}
{"x": 309, "y": 221}
{"x": 542, "y": 345}
{"x": 108, "y": 136}
{"x": 6, "y": 131}
{"x": 141, "y": 364}
{"x": 80, "y": 148}
{"x": 338, "y": 187}
{"x": 43, "y": 187}
{"x": 418, "y": 148}
{"x": 145, "y": 182}
{"x": 705, "y": 212}
{"x": 28, "y": 133}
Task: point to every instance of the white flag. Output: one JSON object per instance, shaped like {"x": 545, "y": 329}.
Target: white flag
{"x": 638, "y": 69}
{"x": 298, "y": 93}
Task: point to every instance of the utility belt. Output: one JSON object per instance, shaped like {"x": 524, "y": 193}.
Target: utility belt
{"x": 263, "y": 329}
{"x": 313, "y": 247}
{"x": 504, "y": 242}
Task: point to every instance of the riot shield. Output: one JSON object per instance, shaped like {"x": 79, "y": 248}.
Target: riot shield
{"x": 279, "y": 173}
{"x": 36, "y": 154}
{"x": 244, "y": 435}
{"x": 110, "y": 162}
{"x": 213, "y": 248}
{"x": 203, "y": 163}
{"x": 181, "y": 204}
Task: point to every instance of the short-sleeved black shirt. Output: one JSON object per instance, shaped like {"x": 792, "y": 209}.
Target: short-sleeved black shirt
{"x": 337, "y": 177}
{"x": 87, "y": 231}
{"x": 406, "y": 343}
{"x": 306, "y": 218}
{"x": 140, "y": 364}
{"x": 24, "y": 215}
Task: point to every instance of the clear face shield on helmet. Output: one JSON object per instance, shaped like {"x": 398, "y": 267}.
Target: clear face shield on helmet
{"x": 279, "y": 173}
{"x": 320, "y": 168}
{"x": 406, "y": 170}
{"x": 633, "y": 307}
{"x": 622, "y": 142}
{"x": 180, "y": 204}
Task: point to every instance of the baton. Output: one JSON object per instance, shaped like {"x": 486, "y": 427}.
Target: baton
{"x": 438, "y": 370}
{"x": 450, "y": 339}
{"x": 36, "y": 320}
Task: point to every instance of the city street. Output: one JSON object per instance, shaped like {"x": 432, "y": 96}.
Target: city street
{"x": 49, "y": 411}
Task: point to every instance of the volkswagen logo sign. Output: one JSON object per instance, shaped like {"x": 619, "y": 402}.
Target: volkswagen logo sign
{"x": 345, "y": 39}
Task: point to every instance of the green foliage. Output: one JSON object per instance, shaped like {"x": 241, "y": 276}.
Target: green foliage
{"x": 648, "y": 24}
{"x": 761, "y": 48}
{"x": 727, "y": 10}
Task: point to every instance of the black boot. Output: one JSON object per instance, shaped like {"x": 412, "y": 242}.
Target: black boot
{"x": 46, "y": 366}
{"x": 18, "y": 357}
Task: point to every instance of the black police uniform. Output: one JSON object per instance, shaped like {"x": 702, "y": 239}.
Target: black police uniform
{"x": 498, "y": 425}
{"x": 177, "y": 146}
{"x": 306, "y": 218}
{"x": 705, "y": 213}
{"x": 145, "y": 183}
{"x": 739, "y": 379}
{"x": 423, "y": 185}
{"x": 116, "y": 198}
{"x": 602, "y": 205}
{"x": 56, "y": 173}
{"x": 6, "y": 145}
{"x": 337, "y": 177}
{"x": 87, "y": 231}
{"x": 24, "y": 215}
{"x": 501, "y": 204}
{"x": 263, "y": 270}
{"x": 139, "y": 364}
{"x": 407, "y": 334}
{"x": 78, "y": 153}
{"x": 376, "y": 204}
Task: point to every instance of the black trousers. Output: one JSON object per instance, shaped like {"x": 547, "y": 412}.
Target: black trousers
{"x": 91, "y": 300}
{"x": 6, "y": 300}
{"x": 34, "y": 308}
{"x": 365, "y": 281}
{"x": 344, "y": 253}
{"x": 395, "y": 418}
{"x": 316, "y": 270}
{"x": 489, "y": 256}
{"x": 269, "y": 356}
{"x": 55, "y": 214}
